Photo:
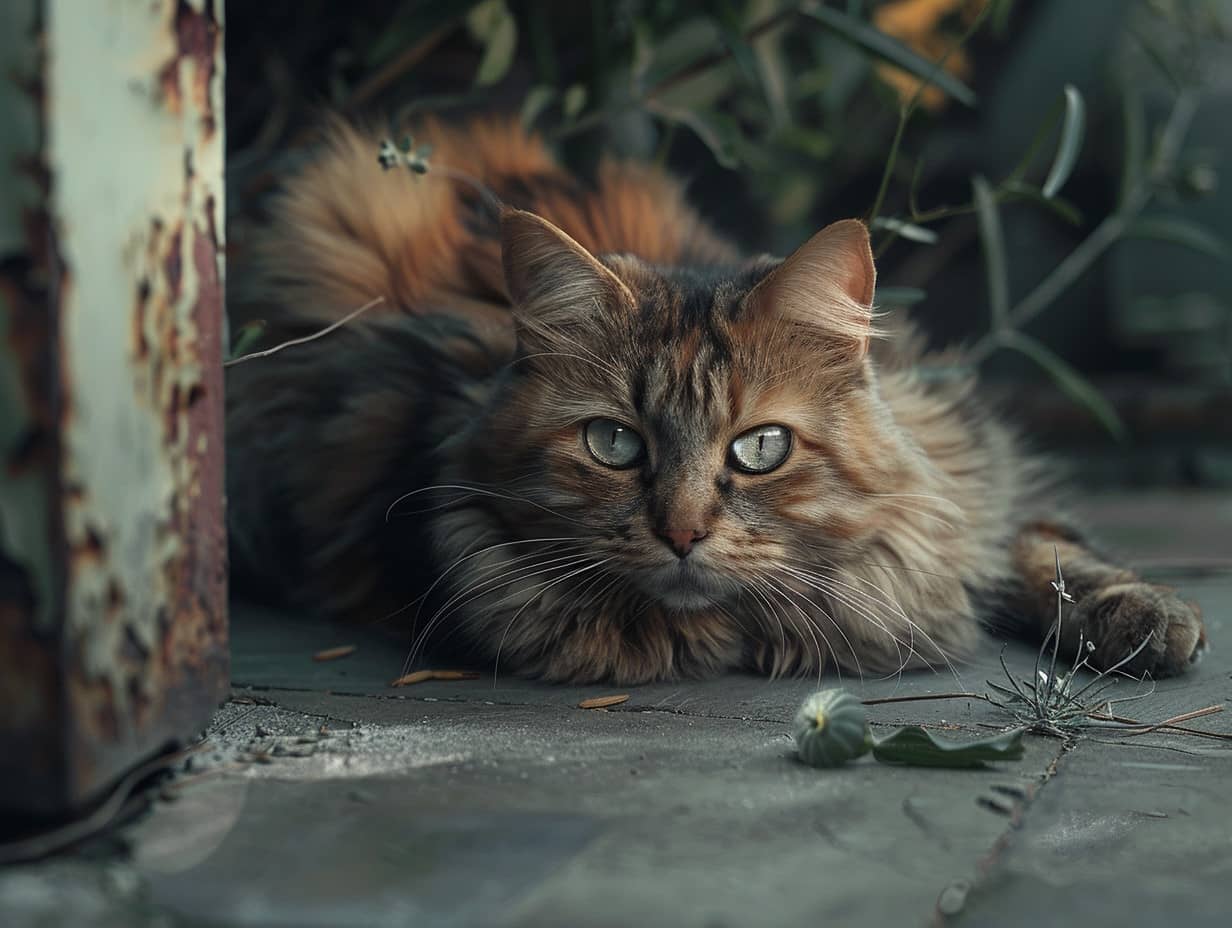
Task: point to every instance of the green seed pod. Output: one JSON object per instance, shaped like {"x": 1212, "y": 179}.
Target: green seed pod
{"x": 831, "y": 729}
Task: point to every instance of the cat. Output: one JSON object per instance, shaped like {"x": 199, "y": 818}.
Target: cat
{"x": 585, "y": 439}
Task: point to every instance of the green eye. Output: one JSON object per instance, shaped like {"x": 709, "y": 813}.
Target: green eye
{"x": 761, "y": 450}
{"x": 613, "y": 443}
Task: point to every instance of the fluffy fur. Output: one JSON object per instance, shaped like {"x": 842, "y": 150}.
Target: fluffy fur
{"x": 430, "y": 460}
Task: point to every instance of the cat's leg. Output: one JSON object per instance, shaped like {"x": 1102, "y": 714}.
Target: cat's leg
{"x": 1112, "y": 607}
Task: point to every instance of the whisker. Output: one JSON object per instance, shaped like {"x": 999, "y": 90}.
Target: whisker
{"x": 466, "y": 557}
{"x": 817, "y": 583}
{"x": 479, "y": 588}
{"x": 483, "y": 491}
{"x": 850, "y": 647}
{"x": 912, "y": 626}
{"x": 500, "y": 646}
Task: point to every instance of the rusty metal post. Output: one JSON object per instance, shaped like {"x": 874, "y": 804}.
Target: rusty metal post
{"x": 113, "y": 635}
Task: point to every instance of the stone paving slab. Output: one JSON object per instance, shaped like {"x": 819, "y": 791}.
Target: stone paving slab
{"x": 323, "y": 797}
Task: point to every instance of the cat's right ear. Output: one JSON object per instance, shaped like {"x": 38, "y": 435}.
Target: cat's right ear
{"x": 553, "y": 281}
{"x": 826, "y": 285}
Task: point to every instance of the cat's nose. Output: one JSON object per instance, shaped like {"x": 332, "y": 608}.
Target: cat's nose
{"x": 681, "y": 540}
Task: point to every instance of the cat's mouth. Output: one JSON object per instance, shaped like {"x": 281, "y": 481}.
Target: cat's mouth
{"x": 687, "y": 586}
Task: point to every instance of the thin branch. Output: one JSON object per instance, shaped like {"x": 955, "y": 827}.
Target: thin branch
{"x": 883, "y": 700}
{"x": 1079, "y": 261}
{"x": 307, "y": 338}
{"x": 704, "y": 63}
{"x": 908, "y": 110}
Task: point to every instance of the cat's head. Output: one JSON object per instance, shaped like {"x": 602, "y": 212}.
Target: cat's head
{"x": 691, "y": 426}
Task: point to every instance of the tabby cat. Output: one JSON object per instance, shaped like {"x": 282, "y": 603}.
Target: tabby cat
{"x": 585, "y": 438}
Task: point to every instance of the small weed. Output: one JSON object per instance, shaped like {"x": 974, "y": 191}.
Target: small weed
{"x": 1049, "y": 703}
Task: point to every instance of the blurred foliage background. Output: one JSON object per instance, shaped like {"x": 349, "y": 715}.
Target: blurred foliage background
{"x": 1043, "y": 177}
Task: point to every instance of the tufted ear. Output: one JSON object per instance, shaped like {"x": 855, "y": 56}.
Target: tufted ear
{"x": 553, "y": 281}
{"x": 827, "y": 283}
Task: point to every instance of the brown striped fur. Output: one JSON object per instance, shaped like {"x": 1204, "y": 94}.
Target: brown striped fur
{"x": 433, "y": 453}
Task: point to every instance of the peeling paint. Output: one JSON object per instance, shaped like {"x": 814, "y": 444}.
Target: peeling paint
{"x": 134, "y": 602}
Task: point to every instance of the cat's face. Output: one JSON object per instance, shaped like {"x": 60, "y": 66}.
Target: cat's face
{"x": 691, "y": 429}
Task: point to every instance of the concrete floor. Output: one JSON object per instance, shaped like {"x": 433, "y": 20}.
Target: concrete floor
{"x": 324, "y": 798}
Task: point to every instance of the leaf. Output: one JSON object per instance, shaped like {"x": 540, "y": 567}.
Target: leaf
{"x": 1012, "y": 189}
{"x": 414, "y": 24}
{"x": 808, "y": 141}
{"x": 889, "y": 49}
{"x": 1042, "y": 134}
{"x": 993, "y": 246}
{"x": 1134, "y": 118}
{"x": 1069, "y": 380}
{"x": 246, "y": 337}
{"x": 906, "y": 230}
{"x": 1073, "y": 127}
{"x": 1179, "y": 232}
{"x": 717, "y": 131}
{"x": 538, "y": 99}
{"x": 643, "y": 56}
{"x": 918, "y": 747}
{"x": 900, "y": 296}
{"x": 493, "y": 25}
{"x": 1001, "y": 17}
{"x": 575, "y": 100}
{"x": 732, "y": 32}
{"x": 1151, "y": 50}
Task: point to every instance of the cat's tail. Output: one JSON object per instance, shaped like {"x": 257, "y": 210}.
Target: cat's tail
{"x": 343, "y": 230}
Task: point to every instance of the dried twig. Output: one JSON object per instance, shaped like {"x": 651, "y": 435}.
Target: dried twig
{"x": 307, "y": 338}
{"x": 883, "y": 700}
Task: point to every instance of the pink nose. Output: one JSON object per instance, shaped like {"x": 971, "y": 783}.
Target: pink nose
{"x": 681, "y": 540}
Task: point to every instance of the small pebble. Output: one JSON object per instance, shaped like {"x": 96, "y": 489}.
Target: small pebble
{"x": 953, "y": 897}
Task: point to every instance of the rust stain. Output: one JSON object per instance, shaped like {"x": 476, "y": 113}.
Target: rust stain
{"x": 196, "y": 40}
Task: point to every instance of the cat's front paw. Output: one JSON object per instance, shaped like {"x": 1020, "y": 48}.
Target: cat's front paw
{"x": 1119, "y": 618}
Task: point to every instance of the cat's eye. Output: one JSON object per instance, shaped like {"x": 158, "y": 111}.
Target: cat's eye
{"x": 761, "y": 450}
{"x": 613, "y": 443}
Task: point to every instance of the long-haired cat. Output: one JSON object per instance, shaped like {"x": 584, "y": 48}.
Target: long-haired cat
{"x": 586, "y": 438}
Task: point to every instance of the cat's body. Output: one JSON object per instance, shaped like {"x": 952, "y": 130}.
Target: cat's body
{"x": 663, "y": 460}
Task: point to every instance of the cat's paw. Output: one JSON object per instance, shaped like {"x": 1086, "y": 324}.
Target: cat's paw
{"x": 1119, "y": 618}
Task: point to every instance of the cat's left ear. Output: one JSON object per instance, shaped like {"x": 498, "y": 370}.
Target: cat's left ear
{"x": 826, "y": 283}
{"x": 552, "y": 280}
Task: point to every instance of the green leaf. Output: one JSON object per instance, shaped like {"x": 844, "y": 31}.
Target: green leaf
{"x": 717, "y": 131}
{"x": 1179, "y": 232}
{"x": 918, "y": 747}
{"x": 1133, "y": 115}
{"x": 1042, "y": 134}
{"x": 889, "y": 49}
{"x": 1016, "y": 190}
{"x": 900, "y": 296}
{"x": 575, "y": 100}
{"x": 246, "y": 337}
{"x": 537, "y": 100}
{"x": 993, "y": 245}
{"x": 1073, "y": 127}
{"x": 415, "y": 23}
{"x": 808, "y": 141}
{"x": 732, "y": 32}
{"x": 906, "y": 230}
{"x": 643, "y": 56}
{"x": 1152, "y": 51}
{"x": 493, "y": 25}
{"x": 1069, "y": 380}
{"x": 1001, "y": 17}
